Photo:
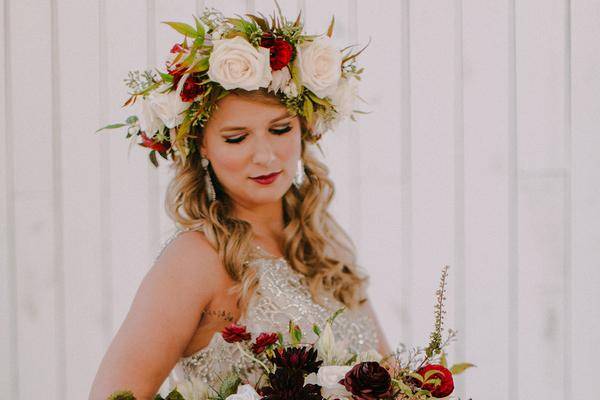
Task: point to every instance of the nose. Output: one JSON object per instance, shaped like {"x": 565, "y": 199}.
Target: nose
{"x": 263, "y": 151}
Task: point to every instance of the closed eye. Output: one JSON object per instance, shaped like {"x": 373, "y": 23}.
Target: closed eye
{"x": 279, "y": 131}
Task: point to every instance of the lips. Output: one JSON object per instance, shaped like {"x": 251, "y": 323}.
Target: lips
{"x": 266, "y": 176}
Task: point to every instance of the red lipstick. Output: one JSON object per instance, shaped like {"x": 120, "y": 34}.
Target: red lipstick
{"x": 266, "y": 179}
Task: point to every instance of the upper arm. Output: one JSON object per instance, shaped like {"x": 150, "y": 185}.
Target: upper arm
{"x": 162, "y": 319}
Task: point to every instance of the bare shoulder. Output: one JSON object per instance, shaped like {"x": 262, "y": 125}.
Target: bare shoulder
{"x": 162, "y": 319}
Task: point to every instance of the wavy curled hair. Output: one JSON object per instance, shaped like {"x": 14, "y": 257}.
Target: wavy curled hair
{"x": 315, "y": 244}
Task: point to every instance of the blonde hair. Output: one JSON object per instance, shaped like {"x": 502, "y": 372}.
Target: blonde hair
{"x": 315, "y": 244}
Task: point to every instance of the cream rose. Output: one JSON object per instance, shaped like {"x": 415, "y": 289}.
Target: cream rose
{"x": 235, "y": 63}
{"x": 244, "y": 392}
{"x": 150, "y": 123}
{"x": 328, "y": 378}
{"x": 168, "y": 106}
{"x": 319, "y": 65}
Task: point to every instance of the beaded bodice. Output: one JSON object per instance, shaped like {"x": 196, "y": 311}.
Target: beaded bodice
{"x": 281, "y": 295}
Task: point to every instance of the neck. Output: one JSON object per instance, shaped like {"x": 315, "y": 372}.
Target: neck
{"x": 266, "y": 220}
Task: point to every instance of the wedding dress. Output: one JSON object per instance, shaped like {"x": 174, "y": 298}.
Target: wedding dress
{"x": 281, "y": 296}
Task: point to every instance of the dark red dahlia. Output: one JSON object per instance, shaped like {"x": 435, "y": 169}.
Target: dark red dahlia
{"x": 263, "y": 341}
{"x": 235, "y": 333}
{"x": 288, "y": 384}
{"x": 158, "y": 146}
{"x": 191, "y": 88}
{"x": 368, "y": 381}
{"x": 301, "y": 358}
{"x": 280, "y": 50}
{"x": 446, "y": 385}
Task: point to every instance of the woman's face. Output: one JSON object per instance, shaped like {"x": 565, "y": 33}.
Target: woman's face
{"x": 244, "y": 139}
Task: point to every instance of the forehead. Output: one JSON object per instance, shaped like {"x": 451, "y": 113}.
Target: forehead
{"x": 242, "y": 111}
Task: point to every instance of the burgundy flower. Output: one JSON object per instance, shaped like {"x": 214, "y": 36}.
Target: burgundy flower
{"x": 297, "y": 358}
{"x": 368, "y": 381}
{"x": 262, "y": 341}
{"x": 288, "y": 384}
{"x": 158, "y": 146}
{"x": 235, "y": 333}
{"x": 191, "y": 88}
{"x": 280, "y": 50}
{"x": 445, "y": 387}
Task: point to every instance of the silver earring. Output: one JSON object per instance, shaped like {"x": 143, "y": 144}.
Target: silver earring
{"x": 299, "y": 177}
{"x": 210, "y": 190}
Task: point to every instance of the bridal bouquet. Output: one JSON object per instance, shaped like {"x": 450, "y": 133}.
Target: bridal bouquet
{"x": 325, "y": 370}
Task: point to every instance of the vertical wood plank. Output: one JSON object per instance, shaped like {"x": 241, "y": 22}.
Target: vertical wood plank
{"x": 8, "y": 314}
{"x": 379, "y": 140}
{"x": 37, "y": 328}
{"x": 486, "y": 197}
{"x": 585, "y": 314}
{"x": 129, "y": 204}
{"x": 432, "y": 61}
{"x": 77, "y": 38}
{"x": 542, "y": 170}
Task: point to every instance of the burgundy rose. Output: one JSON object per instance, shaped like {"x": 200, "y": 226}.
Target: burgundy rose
{"x": 368, "y": 381}
{"x": 235, "y": 333}
{"x": 280, "y": 50}
{"x": 262, "y": 341}
{"x": 445, "y": 387}
{"x": 158, "y": 146}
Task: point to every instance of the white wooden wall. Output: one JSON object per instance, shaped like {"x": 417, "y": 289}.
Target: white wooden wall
{"x": 482, "y": 152}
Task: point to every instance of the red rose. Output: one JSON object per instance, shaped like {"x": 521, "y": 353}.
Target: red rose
{"x": 445, "y": 387}
{"x": 158, "y": 146}
{"x": 262, "y": 341}
{"x": 235, "y": 333}
{"x": 280, "y": 50}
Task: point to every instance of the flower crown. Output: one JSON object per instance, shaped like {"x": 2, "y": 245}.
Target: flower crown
{"x": 310, "y": 76}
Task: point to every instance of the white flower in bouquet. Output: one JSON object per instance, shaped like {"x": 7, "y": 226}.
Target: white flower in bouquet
{"x": 235, "y": 63}
{"x": 244, "y": 392}
{"x": 168, "y": 107}
{"x": 291, "y": 90}
{"x": 344, "y": 96}
{"x": 281, "y": 79}
{"x": 193, "y": 389}
{"x": 149, "y": 121}
{"x": 328, "y": 378}
{"x": 369, "y": 355}
{"x": 319, "y": 65}
{"x": 328, "y": 349}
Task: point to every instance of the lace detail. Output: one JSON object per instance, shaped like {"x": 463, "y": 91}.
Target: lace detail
{"x": 282, "y": 295}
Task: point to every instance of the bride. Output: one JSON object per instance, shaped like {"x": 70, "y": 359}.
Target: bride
{"x": 255, "y": 245}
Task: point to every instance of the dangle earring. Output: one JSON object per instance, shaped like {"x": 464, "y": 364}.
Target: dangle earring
{"x": 210, "y": 190}
{"x": 299, "y": 177}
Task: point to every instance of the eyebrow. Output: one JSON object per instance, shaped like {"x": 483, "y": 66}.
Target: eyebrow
{"x": 237, "y": 128}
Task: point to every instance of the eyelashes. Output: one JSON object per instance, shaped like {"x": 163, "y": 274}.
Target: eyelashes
{"x": 275, "y": 131}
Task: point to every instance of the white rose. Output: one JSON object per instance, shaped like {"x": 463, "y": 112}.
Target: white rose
{"x": 244, "y": 392}
{"x": 344, "y": 96}
{"x": 328, "y": 378}
{"x": 319, "y": 65}
{"x": 148, "y": 120}
{"x": 331, "y": 352}
{"x": 235, "y": 63}
{"x": 169, "y": 107}
{"x": 281, "y": 79}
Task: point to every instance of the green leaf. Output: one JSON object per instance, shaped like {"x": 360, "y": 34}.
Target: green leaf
{"x": 132, "y": 119}
{"x": 318, "y": 100}
{"x": 112, "y": 126}
{"x": 165, "y": 77}
{"x": 308, "y": 110}
{"x": 199, "y": 29}
{"x": 416, "y": 376}
{"x": 316, "y": 330}
{"x": 280, "y": 338}
{"x": 459, "y": 368}
{"x": 330, "y": 29}
{"x": 121, "y": 395}
{"x": 432, "y": 372}
{"x": 174, "y": 395}
{"x": 153, "y": 158}
{"x": 229, "y": 385}
{"x": 182, "y": 28}
{"x": 295, "y": 333}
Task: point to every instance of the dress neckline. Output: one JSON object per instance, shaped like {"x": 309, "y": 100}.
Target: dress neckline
{"x": 268, "y": 254}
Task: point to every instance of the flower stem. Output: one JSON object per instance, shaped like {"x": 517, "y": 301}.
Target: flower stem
{"x": 251, "y": 357}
